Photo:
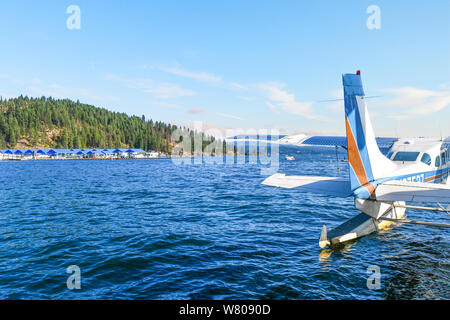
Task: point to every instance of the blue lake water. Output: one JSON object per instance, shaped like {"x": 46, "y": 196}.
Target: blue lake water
{"x": 150, "y": 229}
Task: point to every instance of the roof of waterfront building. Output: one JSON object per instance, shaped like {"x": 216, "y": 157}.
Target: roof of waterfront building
{"x": 50, "y": 151}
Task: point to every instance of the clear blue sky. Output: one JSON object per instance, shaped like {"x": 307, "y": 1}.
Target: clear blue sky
{"x": 236, "y": 64}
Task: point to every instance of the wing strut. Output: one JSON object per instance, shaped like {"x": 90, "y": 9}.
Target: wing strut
{"x": 431, "y": 224}
{"x": 441, "y": 209}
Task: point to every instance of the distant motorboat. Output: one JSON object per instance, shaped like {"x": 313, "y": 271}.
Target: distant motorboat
{"x": 290, "y": 158}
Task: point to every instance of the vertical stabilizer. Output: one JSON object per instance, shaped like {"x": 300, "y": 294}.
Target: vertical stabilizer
{"x": 366, "y": 161}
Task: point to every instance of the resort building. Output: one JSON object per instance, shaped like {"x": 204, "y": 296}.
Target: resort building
{"x": 63, "y": 154}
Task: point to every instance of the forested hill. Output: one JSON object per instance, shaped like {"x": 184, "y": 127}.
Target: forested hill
{"x": 47, "y": 122}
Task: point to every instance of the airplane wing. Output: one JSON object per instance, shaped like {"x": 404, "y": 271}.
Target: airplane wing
{"x": 337, "y": 187}
{"x": 300, "y": 140}
{"x": 386, "y": 191}
{"x": 412, "y": 191}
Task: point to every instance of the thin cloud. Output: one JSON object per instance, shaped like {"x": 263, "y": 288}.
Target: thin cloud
{"x": 169, "y": 91}
{"x": 399, "y": 116}
{"x": 161, "y": 90}
{"x": 246, "y": 98}
{"x": 238, "y": 86}
{"x": 337, "y": 106}
{"x": 166, "y": 105}
{"x": 444, "y": 86}
{"x": 413, "y": 102}
{"x": 196, "y": 110}
{"x": 405, "y": 102}
{"x": 230, "y": 116}
{"x": 199, "y": 76}
{"x": 275, "y": 92}
{"x": 272, "y": 107}
{"x": 337, "y": 101}
{"x": 132, "y": 83}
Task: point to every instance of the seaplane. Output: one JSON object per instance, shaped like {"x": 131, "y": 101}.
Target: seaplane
{"x": 383, "y": 185}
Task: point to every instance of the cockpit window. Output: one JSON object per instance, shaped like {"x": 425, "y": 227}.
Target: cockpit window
{"x": 426, "y": 159}
{"x": 406, "y": 156}
{"x": 389, "y": 155}
{"x": 437, "y": 163}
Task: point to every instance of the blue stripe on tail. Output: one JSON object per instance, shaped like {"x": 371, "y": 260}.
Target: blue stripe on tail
{"x": 353, "y": 88}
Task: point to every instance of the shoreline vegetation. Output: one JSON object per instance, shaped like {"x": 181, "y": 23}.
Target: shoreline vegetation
{"x": 61, "y": 129}
{"x": 27, "y": 123}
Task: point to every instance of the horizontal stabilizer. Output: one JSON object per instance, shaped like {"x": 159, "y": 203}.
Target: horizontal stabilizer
{"x": 337, "y": 187}
{"x": 412, "y": 192}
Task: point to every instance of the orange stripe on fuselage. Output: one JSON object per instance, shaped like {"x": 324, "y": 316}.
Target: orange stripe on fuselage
{"x": 353, "y": 156}
{"x": 436, "y": 177}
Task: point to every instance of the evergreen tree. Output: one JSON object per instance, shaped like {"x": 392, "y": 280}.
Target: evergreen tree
{"x": 47, "y": 122}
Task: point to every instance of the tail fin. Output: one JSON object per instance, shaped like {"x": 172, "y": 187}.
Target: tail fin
{"x": 365, "y": 159}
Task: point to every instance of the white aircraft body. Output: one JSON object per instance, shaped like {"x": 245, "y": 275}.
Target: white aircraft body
{"x": 414, "y": 170}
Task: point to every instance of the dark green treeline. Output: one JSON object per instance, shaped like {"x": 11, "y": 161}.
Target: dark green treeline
{"x": 55, "y": 123}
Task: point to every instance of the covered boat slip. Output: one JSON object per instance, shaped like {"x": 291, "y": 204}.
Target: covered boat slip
{"x": 61, "y": 154}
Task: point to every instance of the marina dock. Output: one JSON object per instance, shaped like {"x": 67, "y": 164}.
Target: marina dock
{"x": 77, "y": 154}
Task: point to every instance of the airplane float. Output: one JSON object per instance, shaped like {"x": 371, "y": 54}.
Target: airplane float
{"x": 414, "y": 170}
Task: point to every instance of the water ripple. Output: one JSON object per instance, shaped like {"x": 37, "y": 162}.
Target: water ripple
{"x": 149, "y": 229}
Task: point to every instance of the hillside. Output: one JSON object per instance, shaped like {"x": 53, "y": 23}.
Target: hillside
{"x": 53, "y": 123}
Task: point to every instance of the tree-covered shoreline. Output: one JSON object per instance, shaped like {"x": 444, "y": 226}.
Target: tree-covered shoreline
{"x": 62, "y": 123}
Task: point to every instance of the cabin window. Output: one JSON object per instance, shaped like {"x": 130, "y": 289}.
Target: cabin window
{"x": 406, "y": 156}
{"x": 426, "y": 159}
{"x": 444, "y": 158}
{"x": 437, "y": 163}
